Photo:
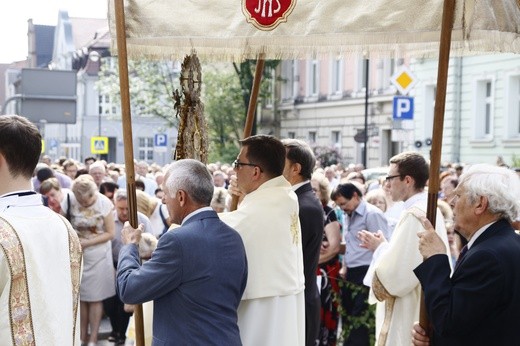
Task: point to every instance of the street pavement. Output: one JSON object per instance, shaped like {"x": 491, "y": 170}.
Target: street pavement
{"x": 104, "y": 332}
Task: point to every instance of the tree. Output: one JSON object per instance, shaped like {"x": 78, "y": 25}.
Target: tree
{"x": 245, "y": 72}
{"x": 224, "y": 110}
{"x": 151, "y": 87}
{"x": 226, "y": 97}
{"x": 327, "y": 156}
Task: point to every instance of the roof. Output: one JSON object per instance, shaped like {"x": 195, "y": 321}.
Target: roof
{"x": 84, "y": 30}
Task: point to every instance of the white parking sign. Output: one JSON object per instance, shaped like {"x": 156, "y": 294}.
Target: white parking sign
{"x": 160, "y": 143}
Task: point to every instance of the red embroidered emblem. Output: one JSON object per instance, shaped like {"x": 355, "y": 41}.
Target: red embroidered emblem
{"x": 267, "y": 14}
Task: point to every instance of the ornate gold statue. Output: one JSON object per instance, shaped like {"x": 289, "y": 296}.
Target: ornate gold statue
{"x": 192, "y": 140}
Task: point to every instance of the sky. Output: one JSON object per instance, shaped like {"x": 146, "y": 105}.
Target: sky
{"x": 14, "y": 15}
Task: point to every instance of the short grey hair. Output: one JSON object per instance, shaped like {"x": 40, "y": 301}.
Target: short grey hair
{"x": 95, "y": 165}
{"x": 120, "y": 195}
{"x": 193, "y": 177}
{"x": 499, "y": 185}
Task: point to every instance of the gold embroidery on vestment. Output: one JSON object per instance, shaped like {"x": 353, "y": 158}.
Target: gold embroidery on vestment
{"x": 383, "y": 295}
{"x": 22, "y": 331}
{"x": 294, "y": 228}
{"x": 75, "y": 253}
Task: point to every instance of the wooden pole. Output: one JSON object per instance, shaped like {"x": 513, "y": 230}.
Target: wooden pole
{"x": 448, "y": 14}
{"x": 255, "y": 89}
{"x": 127, "y": 141}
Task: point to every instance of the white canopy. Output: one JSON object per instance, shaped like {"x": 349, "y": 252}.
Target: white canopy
{"x": 227, "y": 30}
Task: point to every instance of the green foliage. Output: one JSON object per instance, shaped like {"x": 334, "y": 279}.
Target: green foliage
{"x": 515, "y": 161}
{"x": 151, "y": 87}
{"x": 224, "y": 111}
{"x": 226, "y": 98}
{"x": 225, "y": 95}
{"x": 327, "y": 156}
{"x": 245, "y": 72}
{"x": 368, "y": 319}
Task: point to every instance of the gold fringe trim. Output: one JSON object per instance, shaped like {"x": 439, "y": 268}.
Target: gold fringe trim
{"x": 22, "y": 330}
{"x": 339, "y": 46}
{"x": 383, "y": 295}
{"x": 379, "y": 290}
{"x": 389, "y": 310}
{"x": 75, "y": 253}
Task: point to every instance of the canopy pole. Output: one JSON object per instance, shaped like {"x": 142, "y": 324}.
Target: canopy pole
{"x": 448, "y": 14}
{"x": 248, "y": 127}
{"x": 127, "y": 141}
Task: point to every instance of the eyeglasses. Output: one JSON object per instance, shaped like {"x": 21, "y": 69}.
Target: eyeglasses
{"x": 390, "y": 177}
{"x": 237, "y": 164}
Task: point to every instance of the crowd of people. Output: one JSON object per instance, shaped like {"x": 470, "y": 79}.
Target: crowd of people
{"x": 312, "y": 255}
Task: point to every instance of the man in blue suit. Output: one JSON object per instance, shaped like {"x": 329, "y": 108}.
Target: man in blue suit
{"x": 479, "y": 303}
{"x": 198, "y": 272}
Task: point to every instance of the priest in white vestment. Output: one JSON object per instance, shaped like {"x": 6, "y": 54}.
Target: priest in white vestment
{"x": 40, "y": 255}
{"x": 272, "y": 310}
{"x": 394, "y": 286}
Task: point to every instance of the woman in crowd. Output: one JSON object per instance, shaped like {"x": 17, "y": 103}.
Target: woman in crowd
{"x": 379, "y": 198}
{"x": 218, "y": 202}
{"x": 329, "y": 264}
{"x": 92, "y": 217}
{"x": 155, "y": 210}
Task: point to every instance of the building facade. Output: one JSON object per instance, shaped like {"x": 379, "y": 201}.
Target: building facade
{"x": 323, "y": 102}
{"x": 82, "y": 45}
{"x": 482, "y": 116}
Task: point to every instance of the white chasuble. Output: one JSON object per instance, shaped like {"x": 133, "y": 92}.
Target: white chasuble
{"x": 272, "y": 311}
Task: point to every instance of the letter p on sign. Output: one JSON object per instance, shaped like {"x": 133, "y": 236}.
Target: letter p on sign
{"x": 403, "y": 108}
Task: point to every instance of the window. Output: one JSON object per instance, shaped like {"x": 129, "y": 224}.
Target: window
{"x": 512, "y": 120}
{"x": 146, "y": 148}
{"x": 291, "y": 134}
{"x": 336, "y": 139}
{"x": 312, "y": 137}
{"x": 388, "y": 72}
{"x": 289, "y": 74}
{"x": 71, "y": 150}
{"x": 105, "y": 106}
{"x": 430, "y": 94}
{"x": 487, "y": 116}
{"x": 336, "y": 77}
{"x": 483, "y": 121}
{"x": 313, "y": 79}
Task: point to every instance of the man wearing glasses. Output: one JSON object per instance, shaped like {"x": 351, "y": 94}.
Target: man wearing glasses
{"x": 394, "y": 286}
{"x": 272, "y": 310}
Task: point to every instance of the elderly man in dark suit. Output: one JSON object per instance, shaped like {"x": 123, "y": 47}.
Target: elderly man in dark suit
{"x": 299, "y": 164}
{"x": 198, "y": 272}
{"x": 479, "y": 304}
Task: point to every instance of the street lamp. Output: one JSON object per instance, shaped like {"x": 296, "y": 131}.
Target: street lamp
{"x": 366, "y": 115}
{"x": 93, "y": 58}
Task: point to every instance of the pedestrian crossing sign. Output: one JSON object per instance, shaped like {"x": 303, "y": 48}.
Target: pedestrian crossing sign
{"x": 99, "y": 145}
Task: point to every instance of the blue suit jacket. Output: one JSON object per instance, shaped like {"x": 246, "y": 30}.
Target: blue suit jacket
{"x": 195, "y": 277}
{"x": 480, "y": 303}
